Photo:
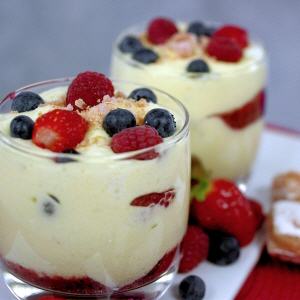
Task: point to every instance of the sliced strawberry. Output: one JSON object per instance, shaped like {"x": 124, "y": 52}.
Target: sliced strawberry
{"x": 194, "y": 248}
{"x": 59, "y": 130}
{"x": 162, "y": 199}
{"x": 245, "y": 115}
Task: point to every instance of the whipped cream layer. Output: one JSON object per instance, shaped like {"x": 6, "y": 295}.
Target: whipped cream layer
{"x": 92, "y": 229}
{"x": 226, "y": 87}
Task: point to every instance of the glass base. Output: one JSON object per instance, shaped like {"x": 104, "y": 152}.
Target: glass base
{"x": 154, "y": 290}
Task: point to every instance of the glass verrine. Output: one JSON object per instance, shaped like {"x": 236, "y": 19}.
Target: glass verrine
{"x": 226, "y": 104}
{"x": 67, "y": 223}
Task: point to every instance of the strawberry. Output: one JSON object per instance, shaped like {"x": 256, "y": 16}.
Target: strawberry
{"x": 236, "y": 33}
{"x": 194, "y": 248}
{"x": 160, "y": 30}
{"x": 91, "y": 87}
{"x": 257, "y": 211}
{"x": 224, "y": 49}
{"x": 219, "y": 205}
{"x": 245, "y": 115}
{"x": 59, "y": 130}
{"x": 162, "y": 199}
{"x": 136, "y": 138}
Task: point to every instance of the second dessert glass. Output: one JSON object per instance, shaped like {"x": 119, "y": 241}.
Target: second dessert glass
{"x": 226, "y": 105}
{"x": 67, "y": 226}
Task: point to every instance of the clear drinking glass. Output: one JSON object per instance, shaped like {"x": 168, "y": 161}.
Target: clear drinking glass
{"x": 93, "y": 244}
{"x": 220, "y": 144}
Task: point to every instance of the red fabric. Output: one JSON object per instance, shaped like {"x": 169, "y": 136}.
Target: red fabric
{"x": 272, "y": 280}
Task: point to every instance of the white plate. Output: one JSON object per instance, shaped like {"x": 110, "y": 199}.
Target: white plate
{"x": 279, "y": 152}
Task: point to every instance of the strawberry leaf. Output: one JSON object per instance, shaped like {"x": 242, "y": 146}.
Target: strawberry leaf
{"x": 200, "y": 190}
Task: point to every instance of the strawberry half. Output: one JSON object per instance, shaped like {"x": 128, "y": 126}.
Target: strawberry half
{"x": 219, "y": 205}
{"x": 162, "y": 199}
{"x": 59, "y": 130}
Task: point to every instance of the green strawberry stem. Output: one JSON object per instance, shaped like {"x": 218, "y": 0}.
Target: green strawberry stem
{"x": 201, "y": 189}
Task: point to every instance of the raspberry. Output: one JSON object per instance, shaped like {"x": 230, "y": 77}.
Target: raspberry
{"x": 220, "y": 205}
{"x": 236, "y": 33}
{"x": 224, "y": 49}
{"x": 194, "y": 248}
{"x": 59, "y": 130}
{"x": 160, "y": 30}
{"x": 136, "y": 138}
{"x": 162, "y": 199}
{"x": 257, "y": 211}
{"x": 91, "y": 87}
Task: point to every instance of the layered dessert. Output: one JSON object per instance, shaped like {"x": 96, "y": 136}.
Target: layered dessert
{"x": 94, "y": 184}
{"x": 220, "y": 75}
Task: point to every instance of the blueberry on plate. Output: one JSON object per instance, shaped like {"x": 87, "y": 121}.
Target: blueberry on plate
{"x": 130, "y": 44}
{"x": 162, "y": 120}
{"x": 144, "y": 93}
{"x": 21, "y": 127}
{"x": 145, "y": 56}
{"x": 117, "y": 120}
{"x": 224, "y": 249}
{"x": 26, "y": 101}
{"x": 192, "y": 288}
{"x": 197, "y": 66}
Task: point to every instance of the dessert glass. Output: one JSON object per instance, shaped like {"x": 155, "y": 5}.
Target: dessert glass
{"x": 91, "y": 242}
{"x": 220, "y": 146}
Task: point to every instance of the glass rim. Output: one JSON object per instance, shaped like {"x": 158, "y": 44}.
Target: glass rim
{"x": 43, "y": 153}
{"x": 140, "y": 27}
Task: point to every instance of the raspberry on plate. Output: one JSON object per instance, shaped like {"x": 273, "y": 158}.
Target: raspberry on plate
{"x": 224, "y": 49}
{"x": 219, "y": 205}
{"x": 194, "y": 248}
{"x": 136, "y": 138}
{"x": 160, "y": 30}
{"x": 59, "y": 130}
{"x": 90, "y": 87}
{"x": 240, "y": 35}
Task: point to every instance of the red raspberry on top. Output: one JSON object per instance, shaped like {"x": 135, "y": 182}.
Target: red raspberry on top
{"x": 160, "y": 30}
{"x": 91, "y": 87}
{"x": 136, "y": 138}
{"x": 219, "y": 205}
{"x": 59, "y": 130}
{"x": 236, "y": 33}
{"x": 224, "y": 49}
{"x": 194, "y": 248}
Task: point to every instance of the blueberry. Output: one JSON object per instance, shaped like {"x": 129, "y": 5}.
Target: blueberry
{"x": 117, "y": 120}
{"x": 26, "y": 101}
{"x": 62, "y": 160}
{"x": 192, "y": 288}
{"x": 162, "y": 120}
{"x": 130, "y": 44}
{"x": 224, "y": 249}
{"x": 200, "y": 29}
{"x": 145, "y": 93}
{"x": 49, "y": 204}
{"x": 197, "y": 66}
{"x": 21, "y": 127}
{"x": 145, "y": 56}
